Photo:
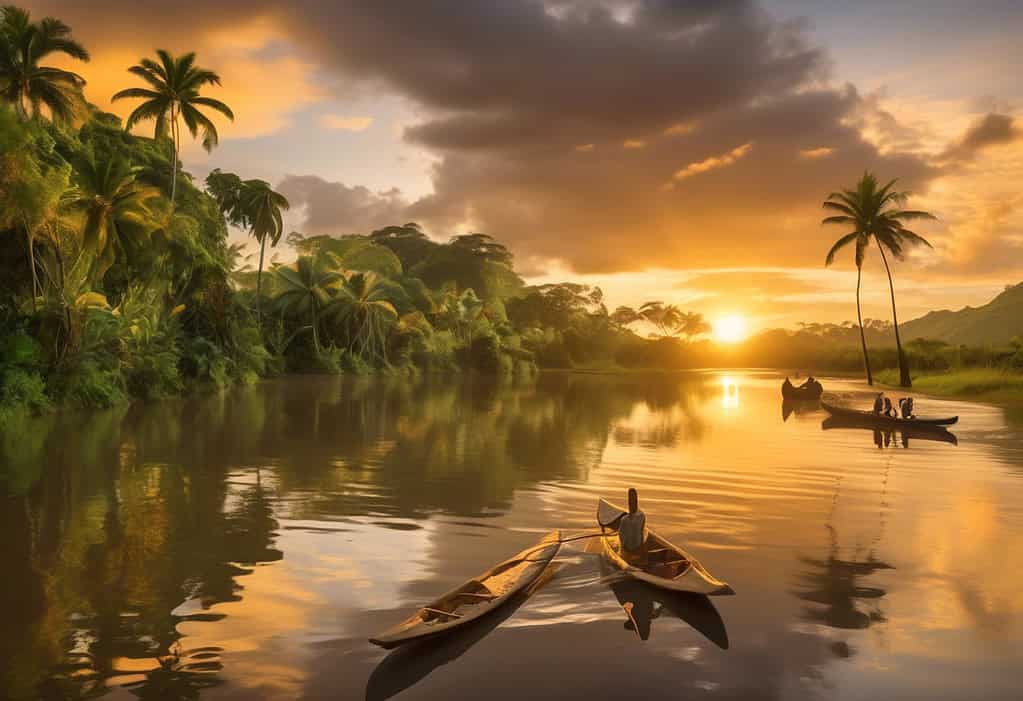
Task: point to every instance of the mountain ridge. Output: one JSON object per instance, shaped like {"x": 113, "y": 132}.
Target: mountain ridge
{"x": 994, "y": 323}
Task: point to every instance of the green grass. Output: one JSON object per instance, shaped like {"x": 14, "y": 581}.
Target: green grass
{"x": 992, "y": 384}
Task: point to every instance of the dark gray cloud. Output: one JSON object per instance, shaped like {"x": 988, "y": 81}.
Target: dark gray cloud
{"x": 990, "y": 130}
{"x": 336, "y": 209}
{"x": 508, "y": 92}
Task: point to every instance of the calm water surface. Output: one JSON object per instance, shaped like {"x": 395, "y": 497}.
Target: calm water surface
{"x": 245, "y": 545}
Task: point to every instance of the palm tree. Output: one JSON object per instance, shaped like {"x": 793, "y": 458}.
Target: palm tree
{"x": 108, "y": 195}
{"x": 665, "y": 317}
{"x": 173, "y": 96}
{"x": 365, "y": 304}
{"x": 23, "y": 82}
{"x": 262, "y": 207}
{"x": 875, "y": 214}
{"x": 306, "y": 287}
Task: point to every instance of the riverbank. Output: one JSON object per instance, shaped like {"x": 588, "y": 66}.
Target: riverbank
{"x": 994, "y": 385}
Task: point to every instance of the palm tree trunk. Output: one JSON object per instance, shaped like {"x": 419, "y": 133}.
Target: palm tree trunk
{"x": 863, "y": 336}
{"x": 316, "y": 333}
{"x": 259, "y": 281}
{"x": 904, "y": 379}
{"x": 32, "y": 265}
{"x": 176, "y": 147}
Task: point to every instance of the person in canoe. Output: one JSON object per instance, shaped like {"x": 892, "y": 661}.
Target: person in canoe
{"x": 632, "y": 531}
{"x": 879, "y": 403}
{"x": 906, "y": 406}
{"x": 889, "y": 410}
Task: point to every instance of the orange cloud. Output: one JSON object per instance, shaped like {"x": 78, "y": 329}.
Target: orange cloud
{"x": 822, "y": 152}
{"x": 714, "y": 162}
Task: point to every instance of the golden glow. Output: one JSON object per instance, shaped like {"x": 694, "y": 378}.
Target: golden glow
{"x": 730, "y": 329}
{"x": 729, "y": 392}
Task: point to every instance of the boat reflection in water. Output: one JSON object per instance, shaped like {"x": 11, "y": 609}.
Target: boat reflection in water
{"x": 884, "y": 439}
{"x": 798, "y": 407}
{"x": 729, "y": 392}
{"x": 649, "y": 603}
{"x": 413, "y": 662}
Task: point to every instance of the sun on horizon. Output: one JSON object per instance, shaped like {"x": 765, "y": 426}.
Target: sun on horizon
{"x": 730, "y": 329}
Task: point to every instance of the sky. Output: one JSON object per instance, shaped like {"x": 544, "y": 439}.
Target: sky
{"x": 674, "y": 150}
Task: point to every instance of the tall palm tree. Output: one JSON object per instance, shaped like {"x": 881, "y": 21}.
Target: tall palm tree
{"x": 306, "y": 287}
{"x": 108, "y": 195}
{"x": 23, "y": 82}
{"x": 875, "y": 213}
{"x": 262, "y": 208}
{"x": 173, "y": 97}
{"x": 365, "y": 304}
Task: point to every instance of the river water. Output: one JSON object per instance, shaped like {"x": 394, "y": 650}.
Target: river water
{"x": 245, "y": 545}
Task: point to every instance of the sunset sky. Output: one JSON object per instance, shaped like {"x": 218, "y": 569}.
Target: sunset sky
{"x": 663, "y": 150}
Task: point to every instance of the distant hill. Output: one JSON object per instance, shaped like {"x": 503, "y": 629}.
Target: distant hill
{"x": 995, "y": 323}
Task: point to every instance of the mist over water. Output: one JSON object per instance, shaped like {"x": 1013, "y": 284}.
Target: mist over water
{"x": 244, "y": 545}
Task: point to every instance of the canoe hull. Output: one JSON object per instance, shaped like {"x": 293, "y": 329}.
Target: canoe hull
{"x": 887, "y": 421}
{"x": 694, "y": 579}
{"x": 466, "y": 603}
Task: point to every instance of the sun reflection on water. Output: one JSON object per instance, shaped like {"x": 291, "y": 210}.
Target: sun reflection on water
{"x": 729, "y": 392}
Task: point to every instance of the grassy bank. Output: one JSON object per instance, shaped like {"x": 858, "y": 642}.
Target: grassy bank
{"x": 985, "y": 384}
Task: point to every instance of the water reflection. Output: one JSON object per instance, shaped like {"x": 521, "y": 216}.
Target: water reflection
{"x": 729, "y": 392}
{"x": 247, "y": 543}
{"x": 885, "y": 439}
{"x": 798, "y": 407}
{"x": 647, "y": 604}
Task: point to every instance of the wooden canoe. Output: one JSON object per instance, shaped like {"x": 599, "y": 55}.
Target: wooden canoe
{"x": 890, "y": 421}
{"x": 668, "y": 566}
{"x": 477, "y": 597}
{"x": 811, "y": 393}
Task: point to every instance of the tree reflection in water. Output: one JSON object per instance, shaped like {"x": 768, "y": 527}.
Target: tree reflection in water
{"x": 132, "y": 521}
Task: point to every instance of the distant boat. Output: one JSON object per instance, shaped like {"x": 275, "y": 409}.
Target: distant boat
{"x": 882, "y": 421}
{"x": 810, "y": 393}
{"x": 668, "y": 567}
{"x": 477, "y": 597}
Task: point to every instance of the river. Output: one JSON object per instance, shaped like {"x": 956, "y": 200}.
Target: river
{"x": 245, "y": 545}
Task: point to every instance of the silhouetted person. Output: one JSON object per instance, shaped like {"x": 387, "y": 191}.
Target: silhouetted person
{"x": 632, "y": 530}
{"x": 879, "y": 403}
{"x": 888, "y": 410}
{"x": 906, "y": 405}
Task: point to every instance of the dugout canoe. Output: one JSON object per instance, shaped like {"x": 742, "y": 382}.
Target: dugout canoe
{"x": 811, "y": 393}
{"x": 883, "y": 421}
{"x": 476, "y": 597}
{"x": 667, "y": 566}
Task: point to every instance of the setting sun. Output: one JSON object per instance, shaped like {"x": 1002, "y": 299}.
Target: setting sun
{"x": 730, "y": 329}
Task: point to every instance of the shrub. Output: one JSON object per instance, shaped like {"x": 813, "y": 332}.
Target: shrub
{"x": 21, "y": 389}
{"x": 92, "y": 386}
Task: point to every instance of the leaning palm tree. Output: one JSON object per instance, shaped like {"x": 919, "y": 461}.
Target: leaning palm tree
{"x": 23, "y": 82}
{"x": 173, "y": 97}
{"x": 875, "y": 213}
{"x": 692, "y": 324}
{"x": 112, "y": 202}
{"x": 262, "y": 207}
